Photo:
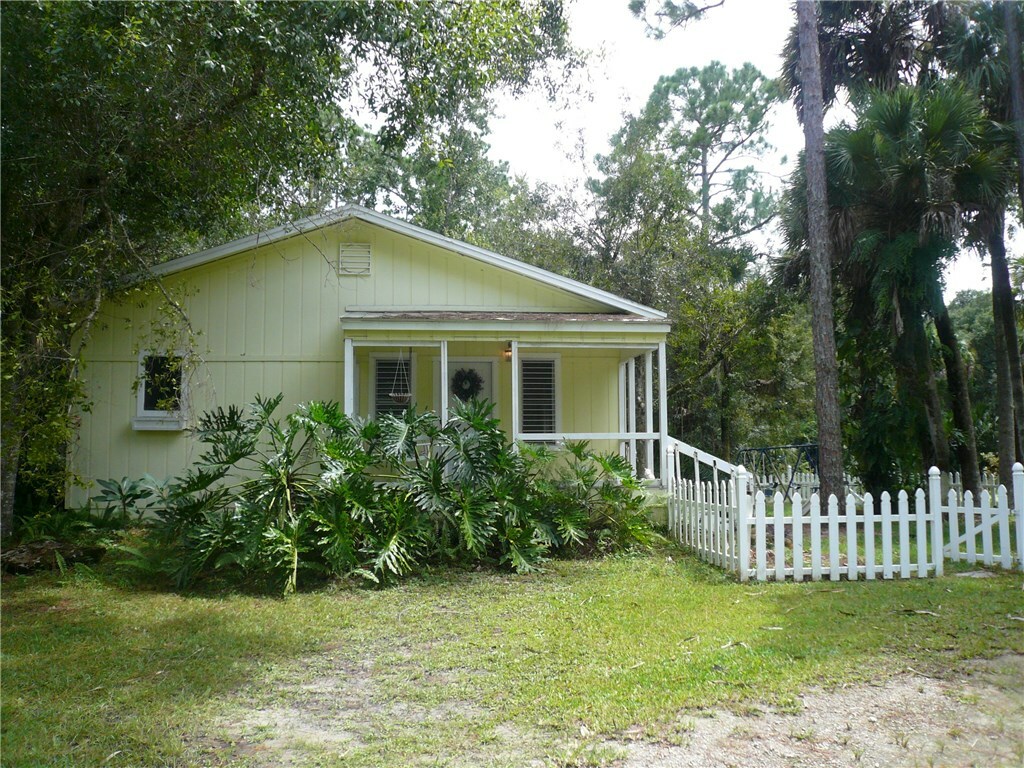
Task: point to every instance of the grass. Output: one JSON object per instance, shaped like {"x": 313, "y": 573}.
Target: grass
{"x": 473, "y": 668}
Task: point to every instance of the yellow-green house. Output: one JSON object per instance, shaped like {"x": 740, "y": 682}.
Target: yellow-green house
{"x": 376, "y": 313}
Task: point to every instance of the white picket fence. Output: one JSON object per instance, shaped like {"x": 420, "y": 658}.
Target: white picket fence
{"x": 805, "y": 483}
{"x": 954, "y": 481}
{"x": 909, "y": 536}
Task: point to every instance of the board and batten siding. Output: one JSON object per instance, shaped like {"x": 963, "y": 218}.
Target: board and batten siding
{"x": 268, "y": 321}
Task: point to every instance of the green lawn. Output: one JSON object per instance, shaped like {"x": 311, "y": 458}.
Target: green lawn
{"x": 476, "y": 668}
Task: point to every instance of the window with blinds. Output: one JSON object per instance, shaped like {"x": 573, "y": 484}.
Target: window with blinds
{"x": 538, "y": 396}
{"x": 389, "y": 377}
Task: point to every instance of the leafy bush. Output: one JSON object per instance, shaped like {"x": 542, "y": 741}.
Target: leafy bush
{"x": 98, "y": 522}
{"x": 597, "y": 500}
{"x": 321, "y": 493}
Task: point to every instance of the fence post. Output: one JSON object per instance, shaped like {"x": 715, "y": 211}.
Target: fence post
{"x": 935, "y": 510}
{"x": 1018, "y": 510}
{"x": 668, "y": 478}
{"x": 696, "y": 477}
{"x": 742, "y": 522}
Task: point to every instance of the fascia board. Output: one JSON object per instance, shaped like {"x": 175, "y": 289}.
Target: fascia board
{"x": 503, "y": 326}
{"x": 247, "y": 243}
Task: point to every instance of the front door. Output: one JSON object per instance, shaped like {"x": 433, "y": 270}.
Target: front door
{"x": 468, "y": 379}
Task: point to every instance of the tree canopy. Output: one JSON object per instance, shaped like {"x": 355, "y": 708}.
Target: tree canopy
{"x": 133, "y": 131}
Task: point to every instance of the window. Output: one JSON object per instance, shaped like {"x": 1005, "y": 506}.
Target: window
{"x": 161, "y": 392}
{"x": 392, "y": 378}
{"x": 354, "y": 259}
{"x": 539, "y": 401}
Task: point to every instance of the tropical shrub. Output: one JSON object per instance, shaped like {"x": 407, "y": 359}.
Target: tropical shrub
{"x": 322, "y": 493}
{"x": 97, "y": 523}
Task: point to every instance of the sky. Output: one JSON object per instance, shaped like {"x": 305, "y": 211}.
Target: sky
{"x": 556, "y": 143}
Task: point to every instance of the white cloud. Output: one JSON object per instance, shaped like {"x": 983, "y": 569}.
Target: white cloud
{"x": 557, "y": 142}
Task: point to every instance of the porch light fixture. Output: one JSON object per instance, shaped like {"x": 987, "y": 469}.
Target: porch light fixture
{"x": 508, "y": 353}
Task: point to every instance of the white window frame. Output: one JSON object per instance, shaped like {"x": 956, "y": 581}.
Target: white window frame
{"x": 155, "y": 420}
{"x": 555, "y": 357}
{"x": 372, "y": 378}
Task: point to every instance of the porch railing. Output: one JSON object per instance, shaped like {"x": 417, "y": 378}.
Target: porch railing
{"x": 632, "y": 445}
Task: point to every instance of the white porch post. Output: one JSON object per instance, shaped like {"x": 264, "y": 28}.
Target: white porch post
{"x": 631, "y": 408}
{"x": 444, "y": 382}
{"x": 349, "y": 402}
{"x": 516, "y": 405}
{"x": 663, "y": 410}
{"x": 622, "y": 407}
{"x": 649, "y": 409}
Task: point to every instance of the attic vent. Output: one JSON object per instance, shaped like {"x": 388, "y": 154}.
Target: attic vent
{"x": 354, "y": 259}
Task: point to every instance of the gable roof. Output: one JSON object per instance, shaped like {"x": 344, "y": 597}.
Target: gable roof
{"x": 350, "y": 212}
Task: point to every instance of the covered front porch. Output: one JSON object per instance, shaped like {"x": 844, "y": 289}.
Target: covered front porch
{"x": 551, "y": 379}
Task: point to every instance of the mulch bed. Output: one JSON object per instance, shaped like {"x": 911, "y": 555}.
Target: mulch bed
{"x": 43, "y": 555}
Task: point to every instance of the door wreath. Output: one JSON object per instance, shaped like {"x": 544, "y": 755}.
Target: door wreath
{"x": 467, "y": 384}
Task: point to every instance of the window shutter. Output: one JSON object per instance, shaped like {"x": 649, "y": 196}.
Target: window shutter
{"x": 354, "y": 259}
{"x": 538, "y": 392}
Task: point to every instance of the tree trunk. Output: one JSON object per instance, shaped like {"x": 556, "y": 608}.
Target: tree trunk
{"x": 1006, "y": 326}
{"x": 724, "y": 416}
{"x": 1004, "y": 411}
{"x": 960, "y": 400}
{"x": 1016, "y": 88}
{"x": 10, "y": 459}
{"x": 826, "y": 368}
{"x": 705, "y": 192}
{"x": 932, "y": 404}
{"x": 917, "y": 377}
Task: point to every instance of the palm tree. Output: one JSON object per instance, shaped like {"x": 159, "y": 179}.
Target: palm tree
{"x": 865, "y": 46}
{"x": 826, "y": 367}
{"x": 881, "y": 45}
{"x": 1012, "y": 23}
{"x": 900, "y": 182}
{"x": 979, "y": 45}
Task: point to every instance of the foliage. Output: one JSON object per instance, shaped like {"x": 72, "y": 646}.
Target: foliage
{"x": 669, "y": 14}
{"x": 320, "y": 493}
{"x": 865, "y": 45}
{"x": 971, "y": 312}
{"x": 902, "y": 181}
{"x": 124, "y": 495}
{"x": 596, "y": 500}
{"x": 922, "y": 50}
{"x": 683, "y": 165}
{"x": 134, "y": 132}
{"x": 672, "y": 216}
{"x": 710, "y": 123}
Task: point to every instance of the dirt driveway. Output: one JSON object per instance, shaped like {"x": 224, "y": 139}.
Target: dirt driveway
{"x": 974, "y": 718}
{"x": 971, "y": 717}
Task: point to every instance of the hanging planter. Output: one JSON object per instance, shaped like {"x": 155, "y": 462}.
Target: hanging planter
{"x": 467, "y": 384}
{"x": 401, "y": 393}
